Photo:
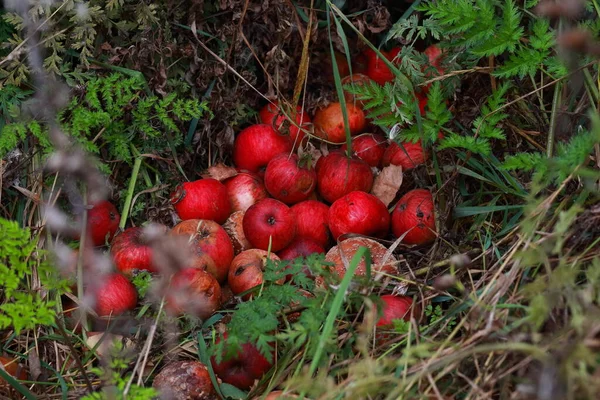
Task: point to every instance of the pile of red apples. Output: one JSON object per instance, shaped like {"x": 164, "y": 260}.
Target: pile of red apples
{"x": 282, "y": 199}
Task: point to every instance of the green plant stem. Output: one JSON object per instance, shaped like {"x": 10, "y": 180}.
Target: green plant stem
{"x": 82, "y": 244}
{"x": 552, "y": 131}
{"x": 338, "y": 83}
{"x": 134, "y": 174}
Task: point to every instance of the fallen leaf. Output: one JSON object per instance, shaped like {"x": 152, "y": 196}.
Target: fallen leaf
{"x": 220, "y": 172}
{"x": 387, "y": 183}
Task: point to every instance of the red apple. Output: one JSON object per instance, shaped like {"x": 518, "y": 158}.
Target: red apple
{"x": 312, "y": 221}
{"x": 415, "y": 215}
{"x": 202, "y": 199}
{"x": 361, "y": 213}
{"x": 256, "y": 145}
{"x": 244, "y": 368}
{"x": 243, "y": 190}
{"x": 113, "y": 295}
{"x": 434, "y": 55}
{"x": 329, "y": 122}
{"x": 378, "y": 70}
{"x": 354, "y": 80}
{"x": 338, "y": 175}
{"x": 130, "y": 252}
{"x": 301, "y": 247}
{"x": 273, "y": 115}
{"x": 269, "y": 222}
{"x": 193, "y": 291}
{"x": 342, "y": 63}
{"x": 185, "y": 380}
{"x": 102, "y": 222}
{"x": 394, "y": 307}
{"x": 369, "y": 148}
{"x": 290, "y": 179}
{"x": 210, "y": 238}
{"x": 408, "y": 156}
{"x": 246, "y": 270}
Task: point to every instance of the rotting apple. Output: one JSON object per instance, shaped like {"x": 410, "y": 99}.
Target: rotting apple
{"x": 329, "y": 122}
{"x": 210, "y": 238}
{"x": 194, "y": 292}
{"x": 130, "y": 252}
{"x": 244, "y": 368}
{"x": 290, "y": 179}
{"x": 185, "y": 380}
{"x": 272, "y": 114}
{"x": 246, "y": 271}
{"x": 235, "y": 229}
{"x": 338, "y": 175}
{"x": 112, "y": 294}
{"x": 256, "y": 145}
{"x": 243, "y": 190}
{"x": 414, "y": 216}
{"x": 369, "y": 147}
{"x": 361, "y": 213}
{"x": 312, "y": 221}
{"x": 12, "y": 367}
{"x": 408, "y": 155}
{"x": 269, "y": 225}
{"x": 102, "y": 222}
{"x": 202, "y": 199}
{"x": 342, "y": 254}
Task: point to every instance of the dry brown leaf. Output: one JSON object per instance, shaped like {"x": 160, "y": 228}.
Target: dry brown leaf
{"x": 220, "y": 172}
{"x": 387, "y": 183}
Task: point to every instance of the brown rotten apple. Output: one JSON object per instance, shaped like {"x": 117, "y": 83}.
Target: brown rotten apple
{"x": 290, "y": 179}
{"x": 193, "y": 291}
{"x": 235, "y": 229}
{"x": 202, "y": 199}
{"x": 210, "y": 238}
{"x": 242, "y": 369}
{"x": 269, "y": 225}
{"x": 361, "y": 213}
{"x": 246, "y": 271}
{"x": 189, "y": 380}
{"x": 12, "y": 367}
{"x": 243, "y": 190}
{"x": 342, "y": 254}
{"x": 338, "y": 175}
